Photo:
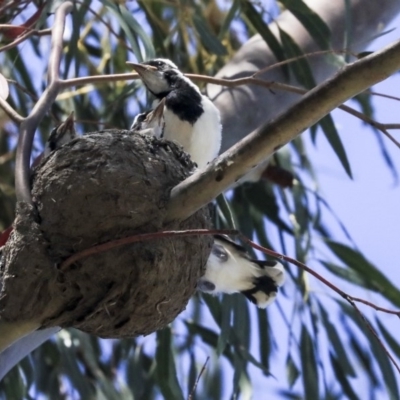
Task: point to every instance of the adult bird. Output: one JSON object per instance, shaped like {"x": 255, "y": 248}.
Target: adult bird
{"x": 230, "y": 269}
{"x": 190, "y": 118}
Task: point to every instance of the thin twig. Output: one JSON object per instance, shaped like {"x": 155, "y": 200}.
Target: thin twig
{"x": 17, "y": 118}
{"x": 315, "y": 274}
{"x": 23, "y": 89}
{"x": 192, "y": 393}
{"x": 144, "y": 237}
{"x": 101, "y": 248}
{"x": 391, "y": 126}
{"x": 387, "y": 96}
{"x": 25, "y": 36}
{"x": 372, "y": 330}
{"x": 350, "y": 299}
{"x": 67, "y": 83}
{"x": 306, "y": 55}
{"x": 29, "y": 125}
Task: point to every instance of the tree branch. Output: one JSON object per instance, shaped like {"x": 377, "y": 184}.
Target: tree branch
{"x": 29, "y": 124}
{"x": 25, "y": 36}
{"x": 203, "y": 186}
{"x": 10, "y": 111}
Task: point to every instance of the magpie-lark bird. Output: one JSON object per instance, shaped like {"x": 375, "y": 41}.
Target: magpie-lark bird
{"x": 190, "y": 118}
{"x": 230, "y": 269}
{"x": 60, "y": 135}
{"x": 151, "y": 122}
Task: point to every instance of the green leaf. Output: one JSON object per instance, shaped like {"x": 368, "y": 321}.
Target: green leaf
{"x": 226, "y": 210}
{"x": 226, "y": 311}
{"x": 308, "y": 365}
{"x": 378, "y": 352}
{"x": 376, "y": 279}
{"x": 166, "y": 371}
{"x": 292, "y": 372}
{"x": 78, "y": 16}
{"x": 209, "y": 337}
{"x": 241, "y": 318}
{"x": 341, "y": 377}
{"x": 229, "y": 18}
{"x": 329, "y": 129}
{"x": 300, "y": 68}
{"x": 311, "y": 21}
{"x": 207, "y": 38}
{"x": 70, "y": 367}
{"x": 390, "y": 340}
{"x": 139, "y": 31}
{"x": 261, "y": 196}
{"x": 264, "y": 337}
{"x": 336, "y": 344}
{"x": 385, "y": 366}
{"x": 348, "y": 274}
{"x": 262, "y": 28}
{"x": 14, "y": 386}
{"x": 245, "y": 354}
{"x": 114, "y": 9}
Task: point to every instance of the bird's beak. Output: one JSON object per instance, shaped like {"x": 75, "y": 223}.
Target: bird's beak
{"x": 142, "y": 69}
{"x": 150, "y": 76}
{"x": 68, "y": 124}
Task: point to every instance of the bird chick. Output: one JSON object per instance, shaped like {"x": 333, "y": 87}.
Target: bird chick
{"x": 61, "y": 135}
{"x": 230, "y": 269}
{"x": 190, "y": 118}
{"x": 151, "y": 122}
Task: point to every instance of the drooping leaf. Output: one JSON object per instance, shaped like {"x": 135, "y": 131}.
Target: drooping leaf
{"x": 300, "y": 68}
{"x": 309, "y": 369}
{"x": 166, "y": 371}
{"x": 391, "y": 341}
{"x": 262, "y": 28}
{"x": 336, "y": 345}
{"x": 355, "y": 260}
{"x": 331, "y": 134}
{"x": 292, "y": 371}
{"x": 314, "y": 24}
{"x": 342, "y": 378}
{"x": 208, "y": 39}
{"x": 233, "y": 10}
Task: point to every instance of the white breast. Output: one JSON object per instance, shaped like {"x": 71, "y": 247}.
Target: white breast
{"x": 201, "y": 140}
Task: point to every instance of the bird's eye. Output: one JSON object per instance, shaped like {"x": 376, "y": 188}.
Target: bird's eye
{"x": 220, "y": 252}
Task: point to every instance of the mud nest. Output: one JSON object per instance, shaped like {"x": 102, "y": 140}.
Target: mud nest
{"x": 101, "y": 187}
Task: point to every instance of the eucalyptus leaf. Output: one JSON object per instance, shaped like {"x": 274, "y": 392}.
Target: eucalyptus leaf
{"x": 314, "y": 24}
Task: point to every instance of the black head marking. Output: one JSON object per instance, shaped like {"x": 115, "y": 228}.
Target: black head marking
{"x": 237, "y": 246}
{"x": 161, "y": 64}
{"x": 265, "y": 263}
{"x": 263, "y": 284}
{"x": 220, "y": 252}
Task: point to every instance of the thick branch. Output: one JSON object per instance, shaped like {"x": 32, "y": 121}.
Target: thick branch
{"x": 29, "y": 125}
{"x": 203, "y": 186}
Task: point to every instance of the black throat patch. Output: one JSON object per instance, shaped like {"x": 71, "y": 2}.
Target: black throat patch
{"x": 183, "y": 100}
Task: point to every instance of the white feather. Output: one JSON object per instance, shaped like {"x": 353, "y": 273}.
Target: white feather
{"x": 229, "y": 270}
{"x": 201, "y": 140}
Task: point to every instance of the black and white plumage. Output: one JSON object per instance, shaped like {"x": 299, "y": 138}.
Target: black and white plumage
{"x": 150, "y": 122}
{"x": 190, "y": 118}
{"x": 230, "y": 269}
{"x": 60, "y": 135}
